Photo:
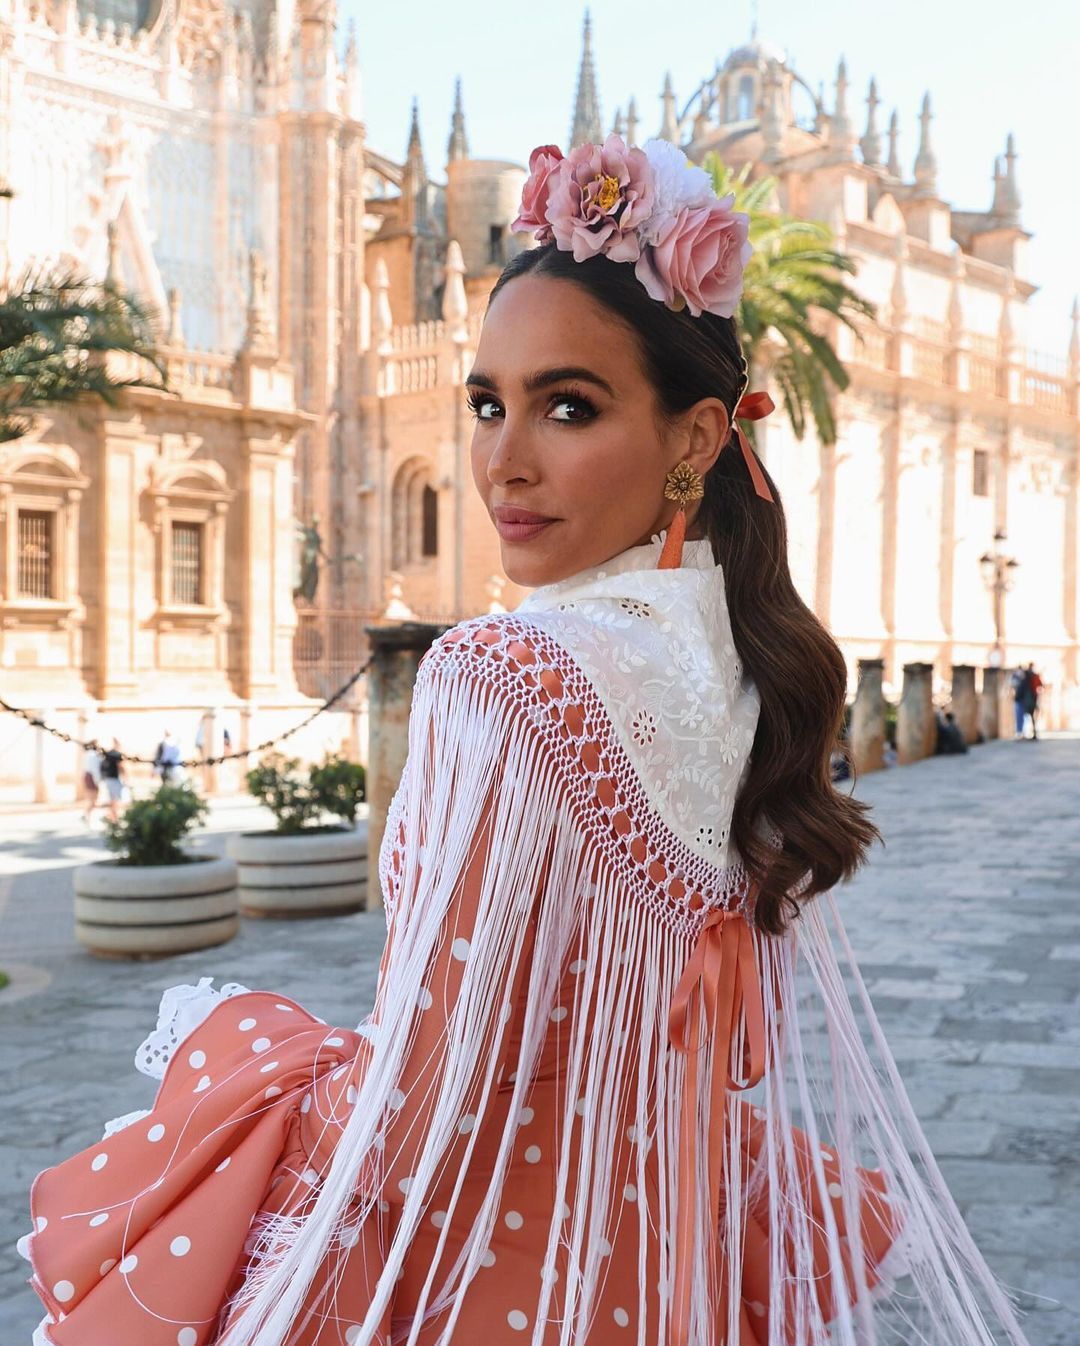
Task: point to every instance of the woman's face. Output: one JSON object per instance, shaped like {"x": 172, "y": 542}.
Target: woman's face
{"x": 568, "y": 426}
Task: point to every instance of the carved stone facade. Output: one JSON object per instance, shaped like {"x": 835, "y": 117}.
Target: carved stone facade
{"x": 322, "y": 303}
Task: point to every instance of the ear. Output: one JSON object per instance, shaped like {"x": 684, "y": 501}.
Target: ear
{"x": 708, "y": 425}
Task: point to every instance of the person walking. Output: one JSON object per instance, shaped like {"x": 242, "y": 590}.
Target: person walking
{"x": 1034, "y": 685}
{"x": 167, "y": 760}
{"x": 607, "y": 873}
{"x": 113, "y": 775}
{"x": 1021, "y": 691}
{"x": 91, "y": 780}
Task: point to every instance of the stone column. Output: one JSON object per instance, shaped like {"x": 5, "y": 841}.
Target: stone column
{"x": 867, "y": 733}
{"x": 396, "y": 652}
{"x": 916, "y": 728}
{"x": 965, "y": 705}
{"x": 990, "y": 703}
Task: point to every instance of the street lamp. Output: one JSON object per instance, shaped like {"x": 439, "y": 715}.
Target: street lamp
{"x": 997, "y": 572}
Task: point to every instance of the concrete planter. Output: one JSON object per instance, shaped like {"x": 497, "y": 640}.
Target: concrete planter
{"x": 302, "y": 874}
{"x": 152, "y": 911}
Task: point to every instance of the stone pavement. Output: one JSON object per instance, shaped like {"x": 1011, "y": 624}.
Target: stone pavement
{"x": 967, "y": 927}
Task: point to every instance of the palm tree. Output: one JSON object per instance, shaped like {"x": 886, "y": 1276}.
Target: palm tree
{"x": 794, "y": 275}
{"x": 55, "y": 331}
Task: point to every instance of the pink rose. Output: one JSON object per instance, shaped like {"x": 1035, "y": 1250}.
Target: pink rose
{"x": 598, "y": 200}
{"x": 699, "y": 257}
{"x": 543, "y": 161}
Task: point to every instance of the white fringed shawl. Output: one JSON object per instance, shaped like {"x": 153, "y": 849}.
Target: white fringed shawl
{"x": 574, "y": 763}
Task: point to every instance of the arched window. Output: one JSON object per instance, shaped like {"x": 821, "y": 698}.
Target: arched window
{"x": 190, "y": 502}
{"x": 746, "y": 106}
{"x": 40, "y": 488}
{"x": 414, "y": 515}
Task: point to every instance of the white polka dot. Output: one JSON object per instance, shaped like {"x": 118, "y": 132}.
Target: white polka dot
{"x": 621, "y": 1317}
{"x": 260, "y": 1044}
{"x": 549, "y": 1273}
{"x": 350, "y": 1237}
{"x": 246, "y": 1025}
{"x": 404, "y": 1184}
{"x": 757, "y": 1309}
{"x": 629, "y": 1192}
{"x": 759, "y": 1113}
{"x": 334, "y": 1042}
{"x": 532, "y": 1154}
{"x": 351, "y": 1095}
{"x": 41, "y": 1223}
{"x": 305, "y": 1103}
{"x": 339, "y": 1072}
{"x": 285, "y": 1009}
{"x": 64, "y": 1290}
{"x": 129, "y": 1264}
{"x": 180, "y": 1246}
{"x": 517, "y": 1320}
{"x": 579, "y": 965}
{"x": 397, "y": 1099}
{"x": 631, "y": 1133}
{"x": 826, "y": 1154}
{"x": 511, "y": 1077}
{"x": 270, "y": 1065}
{"x": 835, "y": 1190}
{"x": 438, "y": 1219}
{"x": 309, "y": 1176}
{"x": 98, "y": 1162}
{"x": 352, "y": 1335}
{"x": 384, "y": 1205}
{"x": 197, "y": 1060}
{"x": 558, "y": 1014}
{"x": 525, "y": 1116}
{"x": 565, "y": 1211}
{"x": 488, "y": 1259}
{"x": 424, "y": 998}
{"x": 579, "y": 1107}
{"x": 460, "y": 949}
{"x": 106, "y": 1266}
{"x": 155, "y": 1133}
{"x": 187, "y": 1336}
{"x": 513, "y": 1219}
{"x": 466, "y": 1124}
{"x": 223, "y": 1165}
{"x": 605, "y": 1248}
{"x": 98, "y": 1219}
{"x": 272, "y": 1091}
{"x": 204, "y": 1083}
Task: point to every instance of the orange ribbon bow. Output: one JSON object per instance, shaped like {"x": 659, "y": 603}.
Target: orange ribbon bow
{"x": 753, "y": 407}
{"x": 723, "y": 966}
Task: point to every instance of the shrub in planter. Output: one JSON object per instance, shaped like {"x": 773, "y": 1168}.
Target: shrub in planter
{"x": 305, "y": 866}
{"x": 156, "y": 898}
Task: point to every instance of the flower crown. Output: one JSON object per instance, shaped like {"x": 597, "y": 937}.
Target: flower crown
{"x": 649, "y": 206}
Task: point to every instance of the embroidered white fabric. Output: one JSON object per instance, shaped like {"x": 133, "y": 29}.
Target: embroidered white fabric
{"x": 181, "y": 1011}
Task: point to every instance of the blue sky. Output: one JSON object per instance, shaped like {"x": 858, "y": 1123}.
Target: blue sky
{"x": 991, "y": 67}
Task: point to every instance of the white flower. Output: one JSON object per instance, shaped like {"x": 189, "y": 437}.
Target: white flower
{"x": 677, "y": 183}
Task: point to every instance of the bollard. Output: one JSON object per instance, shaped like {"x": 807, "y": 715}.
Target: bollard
{"x": 396, "y": 652}
{"x": 989, "y": 704}
{"x": 964, "y": 702}
{"x": 916, "y": 728}
{"x": 867, "y": 732}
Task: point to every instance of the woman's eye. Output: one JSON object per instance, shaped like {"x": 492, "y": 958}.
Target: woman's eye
{"x": 483, "y": 408}
{"x": 576, "y": 407}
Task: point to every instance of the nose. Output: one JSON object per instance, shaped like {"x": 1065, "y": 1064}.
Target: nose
{"x": 508, "y": 460}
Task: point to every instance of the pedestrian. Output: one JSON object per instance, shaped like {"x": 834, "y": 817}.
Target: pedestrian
{"x": 950, "y": 737}
{"x": 90, "y": 770}
{"x": 1021, "y": 692}
{"x": 113, "y": 775}
{"x": 607, "y": 874}
{"x": 167, "y": 760}
{"x": 1034, "y": 684}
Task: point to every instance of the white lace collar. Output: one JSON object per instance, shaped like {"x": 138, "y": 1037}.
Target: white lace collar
{"x": 657, "y": 646}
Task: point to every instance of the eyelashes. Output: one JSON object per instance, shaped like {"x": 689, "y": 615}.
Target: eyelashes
{"x": 585, "y": 410}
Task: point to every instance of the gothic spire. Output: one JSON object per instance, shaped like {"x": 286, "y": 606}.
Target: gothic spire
{"x": 617, "y": 126}
{"x": 925, "y": 163}
{"x": 1010, "y": 191}
{"x": 586, "y": 129}
{"x": 870, "y": 144}
{"x": 669, "y": 125}
{"x": 840, "y": 124}
{"x": 458, "y": 145}
{"x": 631, "y": 122}
{"x": 414, "y": 179}
{"x": 893, "y": 165}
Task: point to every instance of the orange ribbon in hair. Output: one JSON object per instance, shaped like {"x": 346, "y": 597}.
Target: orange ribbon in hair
{"x": 753, "y": 407}
{"x": 723, "y": 969}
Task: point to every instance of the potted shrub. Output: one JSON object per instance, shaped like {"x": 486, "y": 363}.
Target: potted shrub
{"x": 307, "y": 865}
{"x": 155, "y": 898}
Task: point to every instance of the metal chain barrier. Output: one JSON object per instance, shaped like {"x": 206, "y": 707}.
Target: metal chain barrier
{"x": 197, "y": 761}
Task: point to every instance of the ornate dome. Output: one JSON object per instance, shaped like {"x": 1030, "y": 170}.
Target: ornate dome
{"x": 756, "y": 52}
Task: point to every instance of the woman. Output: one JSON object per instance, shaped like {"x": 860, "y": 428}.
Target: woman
{"x": 612, "y": 1089}
{"x": 113, "y": 776}
{"x": 91, "y": 780}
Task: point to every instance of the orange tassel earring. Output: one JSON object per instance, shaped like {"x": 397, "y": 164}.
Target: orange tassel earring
{"x": 683, "y": 485}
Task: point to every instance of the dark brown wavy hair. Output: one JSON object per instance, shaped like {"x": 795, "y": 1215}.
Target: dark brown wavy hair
{"x": 793, "y": 660}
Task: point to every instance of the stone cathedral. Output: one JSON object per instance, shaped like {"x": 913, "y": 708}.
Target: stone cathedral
{"x": 218, "y": 549}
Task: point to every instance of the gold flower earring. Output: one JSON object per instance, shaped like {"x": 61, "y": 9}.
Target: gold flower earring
{"x": 683, "y": 485}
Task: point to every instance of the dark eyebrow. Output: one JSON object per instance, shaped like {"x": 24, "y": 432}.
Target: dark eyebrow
{"x": 544, "y": 379}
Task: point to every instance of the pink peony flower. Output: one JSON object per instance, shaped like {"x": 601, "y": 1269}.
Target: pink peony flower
{"x": 699, "y": 258}
{"x": 543, "y": 162}
{"x": 600, "y": 197}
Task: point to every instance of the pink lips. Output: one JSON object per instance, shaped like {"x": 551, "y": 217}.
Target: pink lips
{"x": 519, "y": 525}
